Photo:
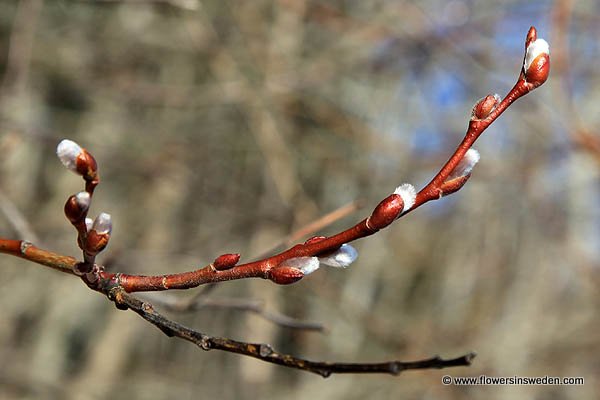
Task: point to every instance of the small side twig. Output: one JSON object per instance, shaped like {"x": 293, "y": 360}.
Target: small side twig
{"x": 266, "y": 353}
{"x": 254, "y": 306}
{"x": 314, "y": 226}
{"x": 16, "y": 218}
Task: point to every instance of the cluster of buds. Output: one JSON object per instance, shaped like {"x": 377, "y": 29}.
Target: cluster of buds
{"x": 535, "y": 71}
{"x": 93, "y": 235}
{"x": 388, "y": 210}
{"x": 294, "y": 269}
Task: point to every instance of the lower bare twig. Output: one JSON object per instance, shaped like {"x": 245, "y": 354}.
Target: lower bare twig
{"x": 266, "y": 353}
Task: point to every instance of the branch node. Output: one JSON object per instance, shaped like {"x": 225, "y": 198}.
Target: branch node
{"x": 324, "y": 373}
{"x": 24, "y": 246}
{"x": 265, "y": 350}
{"x": 115, "y": 295}
{"x": 82, "y": 268}
{"x": 205, "y": 343}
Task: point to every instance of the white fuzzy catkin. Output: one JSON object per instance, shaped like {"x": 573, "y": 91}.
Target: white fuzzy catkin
{"x": 539, "y": 46}
{"x": 465, "y": 166}
{"x": 307, "y": 265}
{"x": 68, "y": 151}
{"x": 103, "y": 223}
{"x": 83, "y": 199}
{"x": 408, "y": 194}
{"x": 341, "y": 258}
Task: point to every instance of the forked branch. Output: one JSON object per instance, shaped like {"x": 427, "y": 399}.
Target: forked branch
{"x": 287, "y": 266}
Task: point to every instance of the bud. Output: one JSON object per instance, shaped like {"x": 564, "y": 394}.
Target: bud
{"x": 87, "y": 166}
{"x": 531, "y": 36}
{"x": 77, "y": 206}
{"x": 485, "y": 106}
{"x": 88, "y": 224}
{"x": 536, "y": 66}
{"x": 465, "y": 166}
{"x": 95, "y": 242}
{"x": 453, "y": 185}
{"x": 225, "y": 261}
{"x": 68, "y": 151}
{"x": 386, "y": 212}
{"x": 341, "y": 258}
{"x": 102, "y": 224}
{"x": 77, "y": 159}
{"x": 408, "y": 194}
{"x": 285, "y": 275}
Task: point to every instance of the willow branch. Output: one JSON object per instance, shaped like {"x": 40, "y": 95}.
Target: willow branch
{"x": 484, "y": 114}
{"x": 93, "y": 236}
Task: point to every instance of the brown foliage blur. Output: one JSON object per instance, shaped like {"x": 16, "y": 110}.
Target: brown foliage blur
{"x": 222, "y": 126}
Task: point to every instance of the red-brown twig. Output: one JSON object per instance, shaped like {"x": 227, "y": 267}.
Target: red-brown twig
{"x": 26, "y": 250}
{"x": 280, "y": 267}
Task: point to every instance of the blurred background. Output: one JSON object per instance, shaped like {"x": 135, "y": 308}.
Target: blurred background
{"x": 226, "y": 126}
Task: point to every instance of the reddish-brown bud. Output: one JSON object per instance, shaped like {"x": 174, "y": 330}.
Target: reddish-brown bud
{"x": 315, "y": 239}
{"x": 285, "y": 275}
{"x": 454, "y": 185}
{"x": 86, "y": 166}
{"x": 386, "y": 212}
{"x": 539, "y": 70}
{"x": 531, "y": 37}
{"x": 536, "y": 65}
{"x": 485, "y": 106}
{"x": 95, "y": 242}
{"x": 225, "y": 261}
{"x": 77, "y": 206}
